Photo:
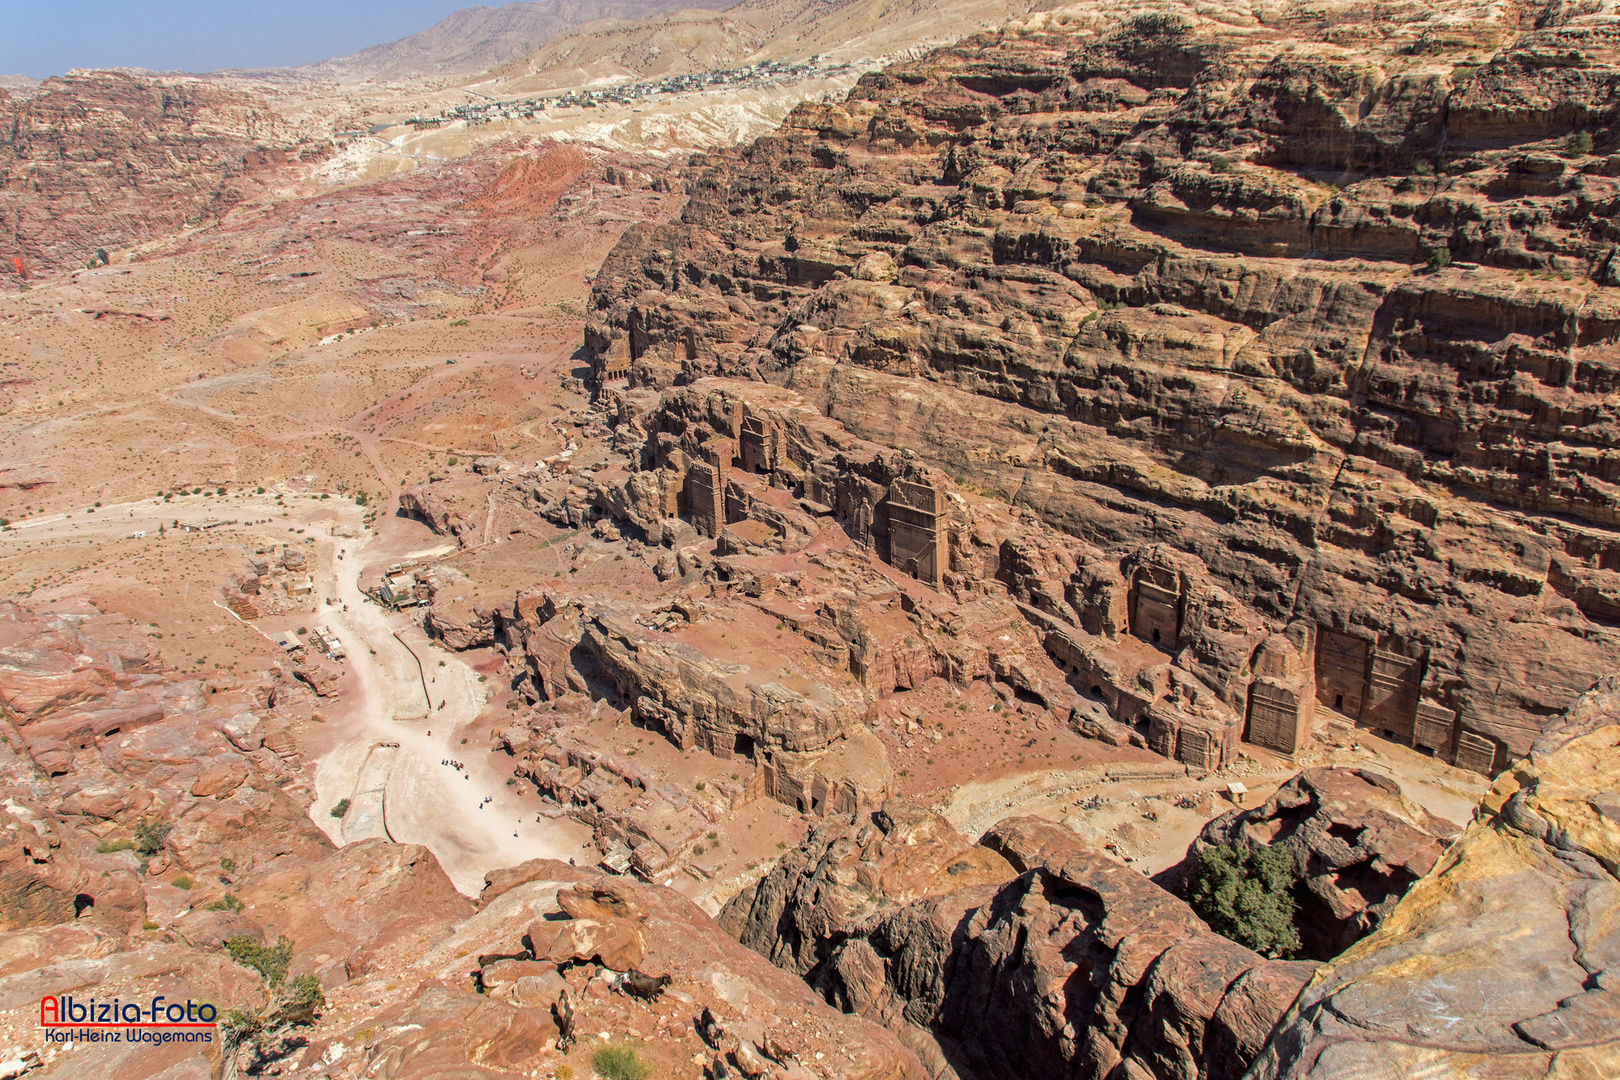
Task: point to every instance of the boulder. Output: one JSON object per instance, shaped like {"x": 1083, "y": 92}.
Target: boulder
{"x": 615, "y": 943}
{"x": 1357, "y": 843}
{"x": 244, "y": 730}
{"x": 1029, "y": 955}
{"x": 1500, "y": 959}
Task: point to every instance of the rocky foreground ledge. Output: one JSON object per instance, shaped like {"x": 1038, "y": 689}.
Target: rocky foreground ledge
{"x": 1505, "y": 960}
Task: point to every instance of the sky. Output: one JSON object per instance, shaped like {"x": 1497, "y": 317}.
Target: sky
{"x": 47, "y": 37}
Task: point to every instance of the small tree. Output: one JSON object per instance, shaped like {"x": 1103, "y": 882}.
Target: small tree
{"x": 1160, "y": 25}
{"x": 287, "y": 1004}
{"x": 339, "y": 808}
{"x": 620, "y": 1063}
{"x": 1579, "y": 142}
{"x": 1246, "y": 894}
{"x": 1439, "y": 258}
{"x": 270, "y": 961}
{"x": 149, "y": 837}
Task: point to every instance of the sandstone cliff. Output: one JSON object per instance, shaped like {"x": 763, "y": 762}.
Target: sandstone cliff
{"x": 1322, "y": 304}
{"x": 105, "y": 160}
{"x": 1501, "y": 961}
{"x": 1027, "y": 955}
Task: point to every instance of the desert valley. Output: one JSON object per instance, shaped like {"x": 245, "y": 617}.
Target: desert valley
{"x": 855, "y": 540}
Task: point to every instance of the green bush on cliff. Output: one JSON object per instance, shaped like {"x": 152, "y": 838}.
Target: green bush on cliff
{"x": 270, "y": 961}
{"x": 1247, "y": 895}
{"x": 149, "y": 836}
{"x": 619, "y": 1063}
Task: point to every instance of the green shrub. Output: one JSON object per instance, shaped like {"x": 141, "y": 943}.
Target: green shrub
{"x": 240, "y": 1025}
{"x": 340, "y": 808}
{"x": 1247, "y": 895}
{"x": 149, "y": 836}
{"x": 106, "y": 847}
{"x": 619, "y": 1063}
{"x": 305, "y": 992}
{"x": 1220, "y": 163}
{"x": 228, "y": 902}
{"x": 1439, "y": 258}
{"x": 1579, "y": 142}
{"x": 182, "y": 882}
{"x": 149, "y": 925}
{"x": 270, "y": 961}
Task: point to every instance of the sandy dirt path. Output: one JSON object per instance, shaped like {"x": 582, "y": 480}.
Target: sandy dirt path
{"x": 470, "y": 819}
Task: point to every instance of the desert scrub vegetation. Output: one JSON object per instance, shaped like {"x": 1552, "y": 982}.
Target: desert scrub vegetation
{"x": 1247, "y": 896}
{"x": 620, "y": 1063}
{"x": 149, "y": 837}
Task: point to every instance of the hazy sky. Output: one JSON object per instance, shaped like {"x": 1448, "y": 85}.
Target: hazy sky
{"x": 47, "y": 37}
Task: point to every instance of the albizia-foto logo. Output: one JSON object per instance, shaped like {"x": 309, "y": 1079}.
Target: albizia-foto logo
{"x": 157, "y": 1020}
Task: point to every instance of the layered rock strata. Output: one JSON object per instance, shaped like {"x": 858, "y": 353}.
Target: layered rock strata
{"x": 1144, "y": 647}
{"x": 97, "y": 161}
{"x": 1026, "y": 955}
{"x": 1169, "y": 284}
{"x": 1502, "y": 960}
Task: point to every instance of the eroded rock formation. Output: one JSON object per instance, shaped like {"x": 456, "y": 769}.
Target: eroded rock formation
{"x": 1166, "y": 286}
{"x": 1026, "y": 955}
{"x": 419, "y": 980}
{"x": 1357, "y": 844}
{"x": 104, "y": 160}
{"x": 1502, "y": 958}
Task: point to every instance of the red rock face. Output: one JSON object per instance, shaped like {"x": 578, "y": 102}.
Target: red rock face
{"x": 1169, "y": 288}
{"x": 1026, "y": 955}
{"x": 1495, "y": 959}
{"x": 422, "y": 504}
{"x": 420, "y": 981}
{"x": 1357, "y": 843}
{"x": 106, "y": 160}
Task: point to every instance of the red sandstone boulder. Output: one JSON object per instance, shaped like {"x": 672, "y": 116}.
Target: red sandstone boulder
{"x": 1067, "y": 964}
{"x": 1358, "y": 844}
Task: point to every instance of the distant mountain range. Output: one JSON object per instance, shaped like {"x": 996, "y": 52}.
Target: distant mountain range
{"x": 479, "y": 38}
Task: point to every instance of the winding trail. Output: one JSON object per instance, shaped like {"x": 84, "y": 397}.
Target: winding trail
{"x": 470, "y": 819}
{"x": 466, "y": 817}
